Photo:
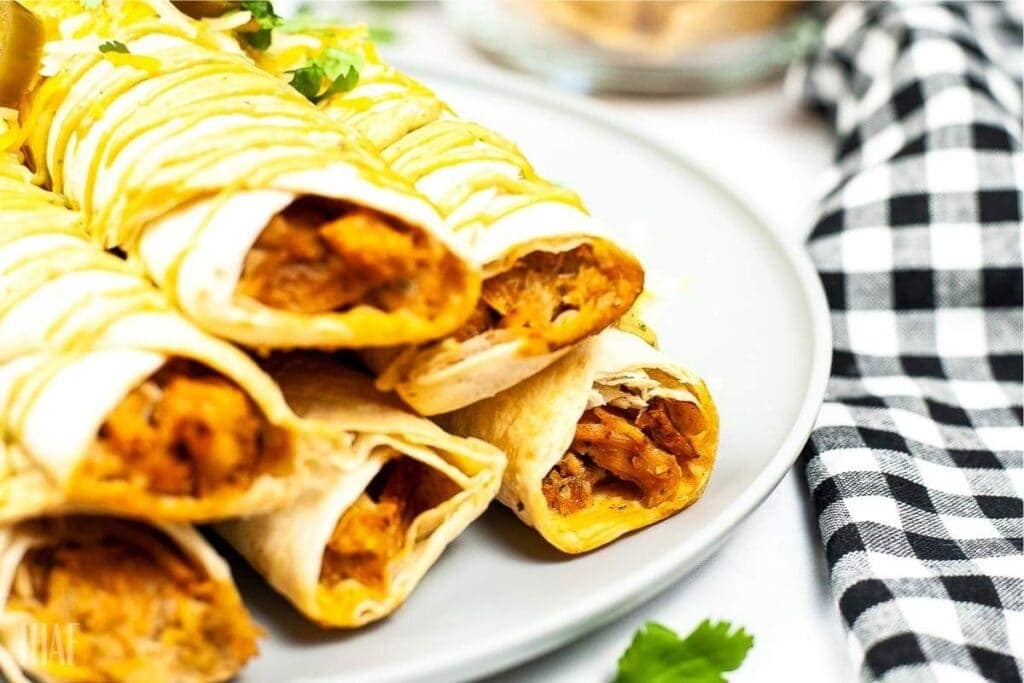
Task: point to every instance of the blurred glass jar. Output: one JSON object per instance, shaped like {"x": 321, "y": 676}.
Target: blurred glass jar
{"x": 641, "y": 46}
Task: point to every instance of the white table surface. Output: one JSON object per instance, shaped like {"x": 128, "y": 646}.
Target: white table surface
{"x": 770, "y": 575}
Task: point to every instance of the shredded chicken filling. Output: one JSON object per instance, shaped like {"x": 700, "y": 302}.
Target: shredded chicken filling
{"x": 556, "y": 299}
{"x": 187, "y": 431}
{"x": 319, "y": 255}
{"x": 142, "y": 611}
{"x": 372, "y": 533}
{"x": 635, "y": 454}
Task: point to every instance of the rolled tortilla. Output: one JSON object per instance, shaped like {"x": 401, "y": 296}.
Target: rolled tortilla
{"x": 192, "y": 434}
{"x": 552, "y": 275}
{"x": 100, "y": 598}
{"x": 261, "y": 218}
{"x": 110, "y": 400}
{"x": 607, "y": 440}
{"x": 353, "y": 554}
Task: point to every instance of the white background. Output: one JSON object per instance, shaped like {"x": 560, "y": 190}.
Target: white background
{"x": 770, "y": 575}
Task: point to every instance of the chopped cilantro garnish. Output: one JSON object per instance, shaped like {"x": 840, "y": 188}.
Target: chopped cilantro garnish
{"x": 658, "y": 655}
{"x": 307, "y": 80}
{"x": 113, "y": 46}
{"x": 340, "y": 68}
{"x": 258, "y": 39}
{"x": 262, "y": 13}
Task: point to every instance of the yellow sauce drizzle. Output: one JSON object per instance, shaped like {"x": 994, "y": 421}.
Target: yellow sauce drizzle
{"x": 84, "y": 125}
{"x": 29, "y": 212}
{"x": 441, "y": 143}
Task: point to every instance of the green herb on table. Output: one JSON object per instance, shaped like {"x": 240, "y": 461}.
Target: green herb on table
{"x": 658, "y": 655}
{"x": 113, "y": 46}
{"x": 340, "y": 68}
{"x": 262, "y": 13}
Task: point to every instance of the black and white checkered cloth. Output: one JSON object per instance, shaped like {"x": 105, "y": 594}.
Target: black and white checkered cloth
{"x": 914, "y": 465}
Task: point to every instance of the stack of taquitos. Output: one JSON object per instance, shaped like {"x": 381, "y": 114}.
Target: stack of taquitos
{"x": 610, "y": 438}
{"x": 77, "y": 317}
{"x": 156, "y": 418}
{"x": 100, "y": 597}
{"x": 410, "y": 486}
{"x": 254, "y": 212}
{"x": 552, "y": 277}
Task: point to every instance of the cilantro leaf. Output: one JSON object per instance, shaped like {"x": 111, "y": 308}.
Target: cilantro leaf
{"x": 113, "y": 46}
{"x": 262, "y": 13}
{"x": 658, "y": 655}
{"x": 307, "y": 81}
{"x": 715, "y": 643}
{"x": 258, "y": 39}
{"x": 339, "y": 67}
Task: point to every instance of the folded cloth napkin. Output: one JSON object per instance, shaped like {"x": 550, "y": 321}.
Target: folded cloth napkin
{"x": 914, "y": 465}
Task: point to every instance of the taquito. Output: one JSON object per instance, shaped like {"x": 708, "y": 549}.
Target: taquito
{"x": 110, "y": 399}
{"x": 552, "y": 274}
{"x": 106, "y": 599}
{"x": 352, "y": 554}
{"x": 609, "y": 439}
{"x": 259, "y": 216}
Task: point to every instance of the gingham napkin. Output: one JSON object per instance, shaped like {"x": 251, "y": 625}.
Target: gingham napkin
{"x": 914, "y": 465}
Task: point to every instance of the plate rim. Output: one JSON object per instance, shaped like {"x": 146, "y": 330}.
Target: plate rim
{"x": 506, "y": 652}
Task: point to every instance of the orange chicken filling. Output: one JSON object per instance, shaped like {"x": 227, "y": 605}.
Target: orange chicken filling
{"x": 557, "y": 299}
{"x": 629, "y": 453}
{"x": 187, "y": 431}
{"x": 372, "y": 533}
{"x": 142, "y": 610}
{"x": 318, "y": 255}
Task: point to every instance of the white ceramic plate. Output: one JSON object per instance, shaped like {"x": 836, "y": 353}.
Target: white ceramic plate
{"x": 756, "y": 328}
